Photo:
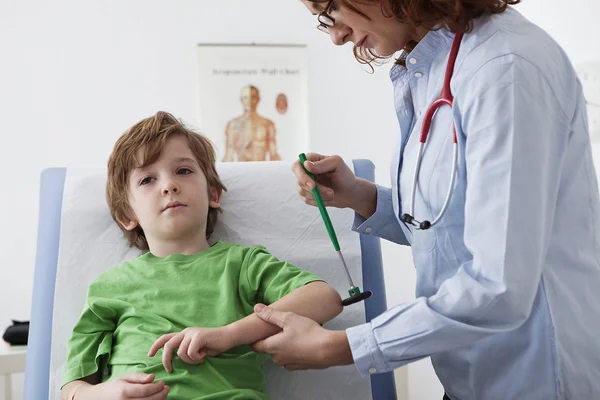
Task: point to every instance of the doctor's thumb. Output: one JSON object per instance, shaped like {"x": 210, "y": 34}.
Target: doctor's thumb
{"x": 269, "y": 315}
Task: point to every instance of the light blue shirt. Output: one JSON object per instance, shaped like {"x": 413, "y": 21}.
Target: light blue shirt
{"x": 508, "y": 284}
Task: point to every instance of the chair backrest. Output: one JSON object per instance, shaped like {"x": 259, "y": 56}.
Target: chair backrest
{"x": 260, "y": 207}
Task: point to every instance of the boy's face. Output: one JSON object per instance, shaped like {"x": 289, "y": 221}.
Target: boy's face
{"x": 170, "y": 198}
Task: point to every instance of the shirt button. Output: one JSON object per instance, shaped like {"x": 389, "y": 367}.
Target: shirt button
{"x": 412, "y": 60}
{"x": 418, "y": 74}
{"x": 372, "y": 370}
{"x": 369, "y": 230}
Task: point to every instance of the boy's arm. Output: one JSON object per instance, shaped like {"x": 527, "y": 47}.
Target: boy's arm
{"x": 316, "y": 300}
{"x": 70, "y": 389}
{"x": 130, "y": 386}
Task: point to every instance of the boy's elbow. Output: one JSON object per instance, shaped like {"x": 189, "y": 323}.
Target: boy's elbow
{"x": 325, "y": 302}
{"x": 334, "y": 303}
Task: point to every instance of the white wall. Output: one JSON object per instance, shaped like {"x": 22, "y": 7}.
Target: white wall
{"x": 75, "y": 74}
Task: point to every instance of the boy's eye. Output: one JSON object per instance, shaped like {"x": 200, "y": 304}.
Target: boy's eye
{"x": 146, "y": 180}
{"x": 184, "y": 171}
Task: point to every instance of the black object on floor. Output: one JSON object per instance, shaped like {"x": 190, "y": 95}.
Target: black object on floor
{"x": 17, "y": 333}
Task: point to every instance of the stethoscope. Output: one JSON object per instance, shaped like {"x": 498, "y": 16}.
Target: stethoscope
{"x": 445, "y": 98}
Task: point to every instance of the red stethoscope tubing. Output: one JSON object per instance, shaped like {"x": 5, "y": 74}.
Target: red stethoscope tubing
{"x": 445, "y": 98}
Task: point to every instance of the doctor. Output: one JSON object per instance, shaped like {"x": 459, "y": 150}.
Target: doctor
{"x": 505, "y": 238}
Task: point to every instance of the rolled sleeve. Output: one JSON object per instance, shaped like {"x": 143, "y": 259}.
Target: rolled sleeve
{"x": 365, "y": 350}
{"x": 383, "y": 223}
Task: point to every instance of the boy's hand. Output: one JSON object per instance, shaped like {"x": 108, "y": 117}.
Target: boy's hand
{"x": 193, "y": 345}
{"x": 131, "y": 386}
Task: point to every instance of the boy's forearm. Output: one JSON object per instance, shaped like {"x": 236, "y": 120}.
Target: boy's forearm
{"x": 70, "y": 389}
{"x": 79, "y": 387}
{"x": 316, "y": 300}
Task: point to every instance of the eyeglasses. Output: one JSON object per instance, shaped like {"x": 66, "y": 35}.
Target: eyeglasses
{"x": 325, "y": 19}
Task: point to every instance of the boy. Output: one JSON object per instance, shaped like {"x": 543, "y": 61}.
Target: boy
{"x": 164, "y": 192}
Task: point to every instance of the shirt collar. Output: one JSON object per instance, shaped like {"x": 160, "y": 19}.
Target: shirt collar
{"x": 426, "y": 50}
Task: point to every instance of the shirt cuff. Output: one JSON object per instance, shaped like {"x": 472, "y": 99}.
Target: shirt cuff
{"x": 383, "y": 223}
{"x": 365, "y": 351}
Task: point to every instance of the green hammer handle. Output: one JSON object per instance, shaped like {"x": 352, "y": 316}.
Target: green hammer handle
{"x": 321, "y": 206}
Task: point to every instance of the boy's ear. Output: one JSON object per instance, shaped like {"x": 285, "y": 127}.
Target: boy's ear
{"x": 128, "y": 224}
{"x": 215, "y": 197}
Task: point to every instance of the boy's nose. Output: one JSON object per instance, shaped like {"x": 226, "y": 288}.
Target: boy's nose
{"x": 170, "y": 188}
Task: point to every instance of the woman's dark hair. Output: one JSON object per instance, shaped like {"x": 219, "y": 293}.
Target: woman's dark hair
{"x": 454, "y": 15}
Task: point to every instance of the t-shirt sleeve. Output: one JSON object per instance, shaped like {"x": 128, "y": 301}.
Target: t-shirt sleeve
{"x": 91, "y": 341}
{"x": 269, "y": 279}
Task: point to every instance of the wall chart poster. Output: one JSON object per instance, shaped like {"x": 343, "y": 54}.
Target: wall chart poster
{"x": 252, "y": 100}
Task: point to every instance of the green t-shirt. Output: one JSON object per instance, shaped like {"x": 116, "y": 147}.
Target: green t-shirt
{"x": 130, "y": 306}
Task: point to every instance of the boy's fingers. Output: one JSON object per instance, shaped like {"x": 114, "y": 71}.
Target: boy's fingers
{"x": 137, "y": 378}
{"x": 169, "y": 348}
{"x": 162, "y": 395}
{"x": 159, "y": 343}
{"x": 201, "y": 356}
{"x": 143, "y": 390}
{"x": 183, "y": 350}
{"x": 194, "y": 349}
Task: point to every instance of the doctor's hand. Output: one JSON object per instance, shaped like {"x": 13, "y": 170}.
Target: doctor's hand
{"x": 192, "y": 345}
{"x": 302, "y": 343}
{"x": 336, "y": 181}
{"x": 338, "y": 185}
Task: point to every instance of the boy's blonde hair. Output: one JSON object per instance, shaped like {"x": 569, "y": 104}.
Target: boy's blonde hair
{"x": 151, "y": 134}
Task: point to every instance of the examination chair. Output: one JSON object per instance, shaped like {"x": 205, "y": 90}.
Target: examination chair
{"x": 77, "y": 240}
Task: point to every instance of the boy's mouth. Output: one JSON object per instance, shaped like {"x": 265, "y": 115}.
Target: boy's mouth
{"x": 173, "y": 204}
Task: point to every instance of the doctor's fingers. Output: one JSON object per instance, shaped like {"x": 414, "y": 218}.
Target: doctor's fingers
{"x": 301, "y": 175}
{"x": 308, "y": 197}
{"x": 300, "y": 367}
{"x": 260, "y": 347}
{"x": 299, "y": 170}
{"x": 268, "y": 345}
{"x": 291, "y": 361}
